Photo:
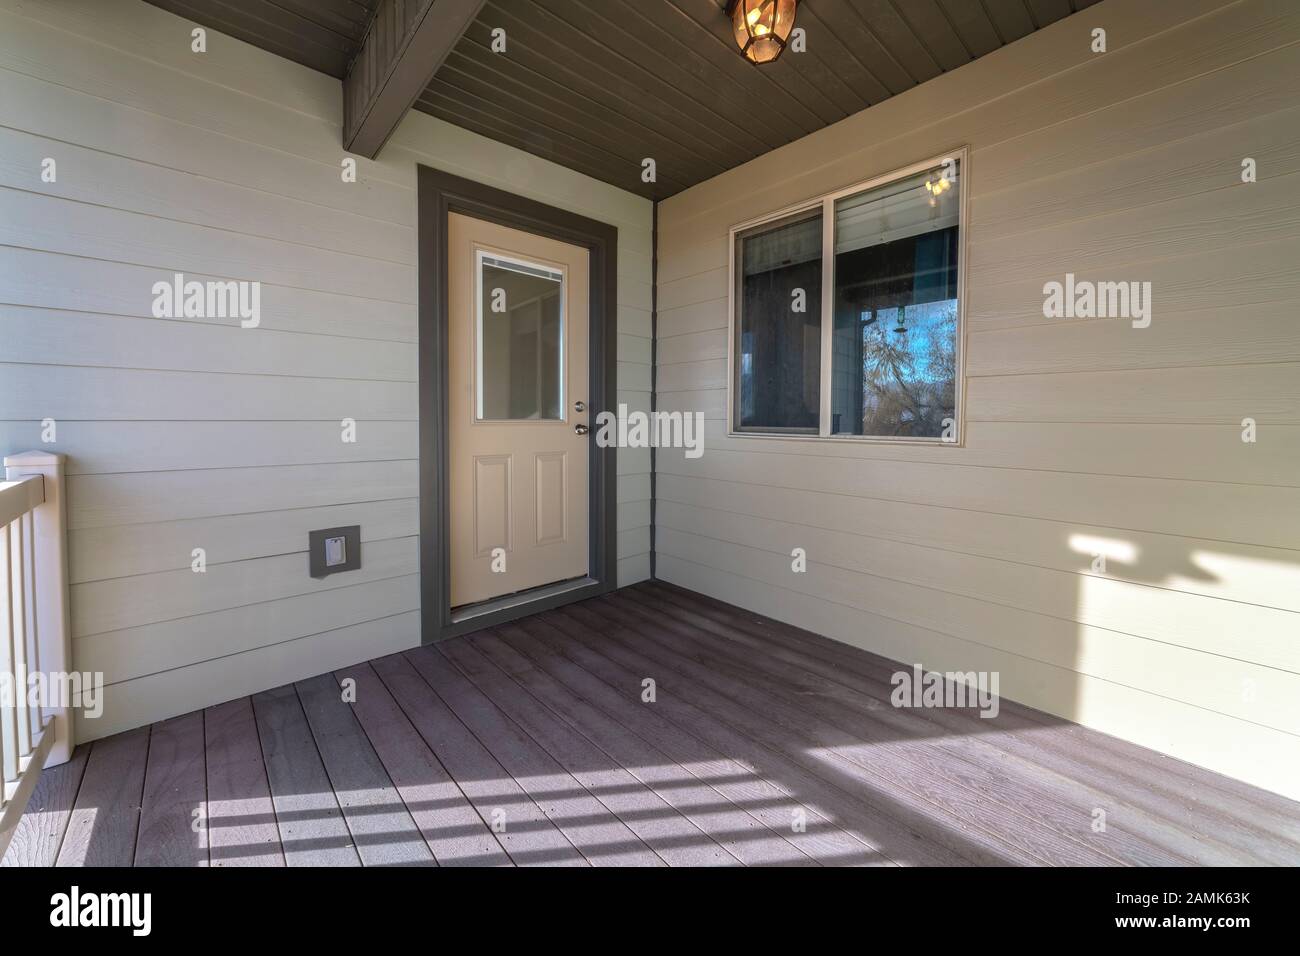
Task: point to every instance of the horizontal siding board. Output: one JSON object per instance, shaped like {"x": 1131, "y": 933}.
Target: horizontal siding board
{"x": 144, "y": 30}
{"x": 1230, "y": 629}
{"x": 115, "y": 551}
{"x": 54, "y": 224}
{"x": 77, "y": 60}
{"x": 120, "y": 603}
{"x": 1187, "y": 452}
{"x": 1268, "y": 577}
{"x": 57, "y": 337}
{"x": 140, "y": 651}
{"x": 1246, "y": 514}
{"x": 104, "y": 179}
{"x": 1231, "y": 278}
{"x": 170, "y": 693}
{"x": 1176, "y": 168}
{"x": 65, "y": 114}
{"x": 53, "y": 280}
{"x": 60, "y": 392}
{"x": 1224, "y": 394}
{"x": 101, "y": 500}
{"x": 1261, "y": 335}
{"x": 113, "y": 447}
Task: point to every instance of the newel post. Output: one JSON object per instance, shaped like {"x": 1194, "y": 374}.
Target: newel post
{"x": 49, "y": 543}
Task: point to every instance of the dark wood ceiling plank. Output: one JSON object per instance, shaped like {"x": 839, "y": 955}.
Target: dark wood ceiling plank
{"x": 344, "y": 17}
{"x": 972, "y": 25}
{"x": 458, "y": 113}
{"x": 838, "y": 53}
{"x": 305, "y": 28}
{"x": 775, "y": 81}
{"x": 882, "y": 19}
{"x": 932, "y": 28}
{"x": 553, "y": 105}
{"x": 684, "y": 74}
{"x": 1044, "y": 12}
{"x": 549, "y": 144}
{"x": 641, "y": 91}
{"x": 1010, "y": 17}
{"x": 622, "y": 101}
{"x": 790, "y": 103}
{"x": 404, "y": 46}
{"x": 850, "y": 28}
{"x": 611, "y": 152}
{"x": 273, "y": 39}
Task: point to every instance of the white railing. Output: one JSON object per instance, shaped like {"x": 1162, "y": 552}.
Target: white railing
{"x": 35, "y": 728}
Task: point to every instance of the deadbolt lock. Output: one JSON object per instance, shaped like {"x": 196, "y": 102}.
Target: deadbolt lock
{"x": 579, "y": 406}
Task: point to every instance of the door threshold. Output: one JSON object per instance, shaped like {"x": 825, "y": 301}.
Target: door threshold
{"x": 520, "y": 599}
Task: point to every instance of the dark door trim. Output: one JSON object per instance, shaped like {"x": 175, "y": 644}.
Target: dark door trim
{"x": 440, "y": 194}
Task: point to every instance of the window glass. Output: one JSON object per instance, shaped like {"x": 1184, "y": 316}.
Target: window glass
{"x": 520, "y": 341}
{"x": 894, "y": 345}
{"x": 778, "y": 334}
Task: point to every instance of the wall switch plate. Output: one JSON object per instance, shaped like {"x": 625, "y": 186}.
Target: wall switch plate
{"x": 331, "y": 550}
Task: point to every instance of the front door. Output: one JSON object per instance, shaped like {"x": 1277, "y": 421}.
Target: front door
{"x": 518, "y": 410}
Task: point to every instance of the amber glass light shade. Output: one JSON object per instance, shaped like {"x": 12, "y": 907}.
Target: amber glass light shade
{"x": 761, "y": 27}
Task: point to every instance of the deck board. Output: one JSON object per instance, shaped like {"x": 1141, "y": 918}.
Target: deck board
{"x": 173, "y": 812}
{"x": 655, "y": 822}
{"x": 696, "y": 787}
{"x": 523, "y": 830}
{"x": 106, "y": 816}
{"x": 382, "y": 829}
{"x": 312, "y": 829}
{"x": 722, "y": 796}
{"x": 241, "y": 816}
{"x": 452, "y": 829}
{"x": 598, "y": 835}
{"x": 900, "y": 830}
{"x": 530, "y": 743}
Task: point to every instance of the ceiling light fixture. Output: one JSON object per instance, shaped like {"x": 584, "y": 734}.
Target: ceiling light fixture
{"x": 761, "y": 27}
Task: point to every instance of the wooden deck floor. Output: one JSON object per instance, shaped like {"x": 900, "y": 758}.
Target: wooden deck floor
{"x": 531, "y": 744}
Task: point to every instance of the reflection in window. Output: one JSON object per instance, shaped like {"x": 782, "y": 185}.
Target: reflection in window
{"x": 894, "y": 351}
{"x": 520, "y": 336}
{"x": 778, "y": 295}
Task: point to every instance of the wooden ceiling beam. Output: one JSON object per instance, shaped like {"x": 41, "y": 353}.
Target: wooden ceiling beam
{"x": 405, "y": 44}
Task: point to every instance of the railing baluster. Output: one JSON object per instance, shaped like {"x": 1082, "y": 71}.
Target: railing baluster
{"x": 33, "y": 635}
{"x": 18, "y": 617}
{"x": 8, "y": 712}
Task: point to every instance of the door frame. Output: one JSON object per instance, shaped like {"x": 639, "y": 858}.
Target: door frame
{"x": 439, "y": 195}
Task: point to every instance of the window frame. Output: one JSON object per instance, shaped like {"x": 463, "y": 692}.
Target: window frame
{"x": 826, "y": 203}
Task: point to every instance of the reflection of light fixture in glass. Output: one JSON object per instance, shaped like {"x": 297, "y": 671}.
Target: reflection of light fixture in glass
{"x": 937, "y": 189}
{"x": 761, "y": 27}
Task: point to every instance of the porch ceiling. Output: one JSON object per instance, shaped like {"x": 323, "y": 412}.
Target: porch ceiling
{"x": 600, "y": 85}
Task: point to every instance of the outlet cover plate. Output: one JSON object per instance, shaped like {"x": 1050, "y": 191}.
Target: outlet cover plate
{"x": 351, "y": 539}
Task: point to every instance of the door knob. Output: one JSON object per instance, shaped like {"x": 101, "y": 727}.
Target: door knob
{"x": 579, "y": 406}
{"x": 580, "y": 429}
